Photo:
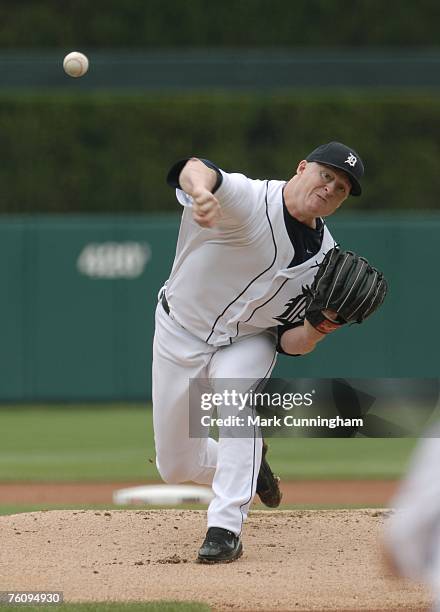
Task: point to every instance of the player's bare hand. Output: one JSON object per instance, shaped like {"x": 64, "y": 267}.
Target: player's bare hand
{"x": 206, "y": 208}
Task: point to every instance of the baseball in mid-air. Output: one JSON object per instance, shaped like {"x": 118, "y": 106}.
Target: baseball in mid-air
{"x": 75, "y": 64}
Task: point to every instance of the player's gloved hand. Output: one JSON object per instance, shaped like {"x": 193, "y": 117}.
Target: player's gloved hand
{"x": 205, "y": 208}
{"x": 346, "y": 289}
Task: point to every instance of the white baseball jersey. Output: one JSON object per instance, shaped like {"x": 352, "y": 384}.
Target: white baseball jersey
{"x": 237, "y": 281}
{"x": 234, "y": 280}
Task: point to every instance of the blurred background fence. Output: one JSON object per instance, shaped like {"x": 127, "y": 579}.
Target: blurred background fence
{"x": 79, "y": 310}
{"x": 88, "y": 225}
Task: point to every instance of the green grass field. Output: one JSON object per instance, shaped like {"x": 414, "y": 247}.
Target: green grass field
{"x": 115, "y": 443}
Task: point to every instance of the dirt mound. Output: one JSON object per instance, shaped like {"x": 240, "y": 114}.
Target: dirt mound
{"x": 293, "y": 560}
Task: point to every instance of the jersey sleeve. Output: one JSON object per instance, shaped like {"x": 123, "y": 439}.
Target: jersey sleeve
{"x": 234, "y": 191}
{"x": 238, "y": 197}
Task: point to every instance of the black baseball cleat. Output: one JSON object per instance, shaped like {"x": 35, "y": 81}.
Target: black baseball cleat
{"x": 268, "y": 487}
{"x": 220, "y": 546}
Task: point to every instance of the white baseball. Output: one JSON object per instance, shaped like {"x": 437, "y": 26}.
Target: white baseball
{"x": 75, "y": 64}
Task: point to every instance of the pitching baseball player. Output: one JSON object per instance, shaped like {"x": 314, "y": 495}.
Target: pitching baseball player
{"x": 235, "y": 297}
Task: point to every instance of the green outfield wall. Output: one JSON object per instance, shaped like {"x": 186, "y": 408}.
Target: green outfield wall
{"x": 79, "y": 295}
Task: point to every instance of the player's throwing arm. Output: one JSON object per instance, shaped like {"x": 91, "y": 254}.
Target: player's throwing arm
{"x": 198, "y": 181}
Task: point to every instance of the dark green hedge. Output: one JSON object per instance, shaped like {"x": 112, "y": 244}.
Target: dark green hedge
{"x": 108, "y": 153}
{"x": 240, "y": 23}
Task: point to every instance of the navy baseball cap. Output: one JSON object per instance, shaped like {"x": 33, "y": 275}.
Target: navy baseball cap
{"x": 340, "y": 156}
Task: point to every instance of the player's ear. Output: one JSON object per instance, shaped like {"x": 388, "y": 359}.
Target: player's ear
{"x": 301, "y": 166}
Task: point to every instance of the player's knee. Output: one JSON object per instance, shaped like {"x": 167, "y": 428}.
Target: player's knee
{"x": 170, "y": 472}
{"x": 172, "y": 476}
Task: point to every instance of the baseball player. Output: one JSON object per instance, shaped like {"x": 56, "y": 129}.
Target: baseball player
{"x": 412, "y": 538}
{"x": 235, "y": 297}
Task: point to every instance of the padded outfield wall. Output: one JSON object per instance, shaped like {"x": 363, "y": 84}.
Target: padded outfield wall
{"x": 79, "y": 295}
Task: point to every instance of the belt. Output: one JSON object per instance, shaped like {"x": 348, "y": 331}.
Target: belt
{"x": 165, "y": 304}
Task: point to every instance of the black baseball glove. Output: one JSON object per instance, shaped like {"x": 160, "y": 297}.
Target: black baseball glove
{"x": 268, "y": 485}
{"x": 346, "y": 289}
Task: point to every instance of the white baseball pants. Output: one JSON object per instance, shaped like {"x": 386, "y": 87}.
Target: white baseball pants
{"x": 230, "y": 465}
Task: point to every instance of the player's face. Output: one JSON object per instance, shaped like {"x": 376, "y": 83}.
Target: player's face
{"x": 321, "y": 189}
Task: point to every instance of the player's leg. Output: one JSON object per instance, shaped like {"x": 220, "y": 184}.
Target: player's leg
{"x": 177, "y": 357}
{"x": 239, "y": 454}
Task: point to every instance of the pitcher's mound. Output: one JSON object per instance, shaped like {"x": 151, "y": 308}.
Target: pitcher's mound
{"x": 293, "y": 560}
